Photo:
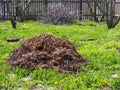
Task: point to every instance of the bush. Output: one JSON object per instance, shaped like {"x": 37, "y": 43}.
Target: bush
{"x": 60, "y": 14}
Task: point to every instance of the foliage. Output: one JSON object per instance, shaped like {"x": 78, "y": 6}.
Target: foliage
{"x": 102, "y": 54}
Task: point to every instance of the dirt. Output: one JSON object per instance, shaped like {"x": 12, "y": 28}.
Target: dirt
{"x": 47, "y": 51}
{"x": 45, "y": 87}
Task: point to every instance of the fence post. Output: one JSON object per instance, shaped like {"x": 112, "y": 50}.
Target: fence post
{"x": 95, "y": 19}
{"x": 80, "y": 17}
{"x": 4, "y": 8}
{"x": 46, "y": 5}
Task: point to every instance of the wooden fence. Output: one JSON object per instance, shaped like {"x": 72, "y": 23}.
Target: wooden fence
{"x": 34, "y": 9}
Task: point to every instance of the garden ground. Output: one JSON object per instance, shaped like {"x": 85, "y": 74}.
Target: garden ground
{"x": 102, "y": 55}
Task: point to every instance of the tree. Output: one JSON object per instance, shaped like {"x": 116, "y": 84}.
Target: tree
{"x": 111, "y": 19}
{"x": 19, "y": 10}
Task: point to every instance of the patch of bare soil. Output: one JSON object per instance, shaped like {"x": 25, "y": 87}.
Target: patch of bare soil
{"x": 105, "y": 87}
{"x": 46, "y": 51}
{"x": 44, "y": 87}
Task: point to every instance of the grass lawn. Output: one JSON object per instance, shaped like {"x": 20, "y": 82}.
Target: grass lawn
{"x": 102, "y": 55}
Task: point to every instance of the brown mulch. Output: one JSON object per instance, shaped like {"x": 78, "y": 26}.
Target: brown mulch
{"x": 47, "y": 51}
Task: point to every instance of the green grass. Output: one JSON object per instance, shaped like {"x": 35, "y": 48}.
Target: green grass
{"x": 102, "y": 55}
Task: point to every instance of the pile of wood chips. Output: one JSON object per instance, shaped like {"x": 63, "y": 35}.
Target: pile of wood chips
{"x": 46, "y": 51}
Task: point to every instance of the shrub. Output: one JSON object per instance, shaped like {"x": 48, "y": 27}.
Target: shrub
{"x": 60, "y": 14}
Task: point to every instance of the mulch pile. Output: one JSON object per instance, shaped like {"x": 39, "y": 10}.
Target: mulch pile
{"x": 46, "y": 51}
